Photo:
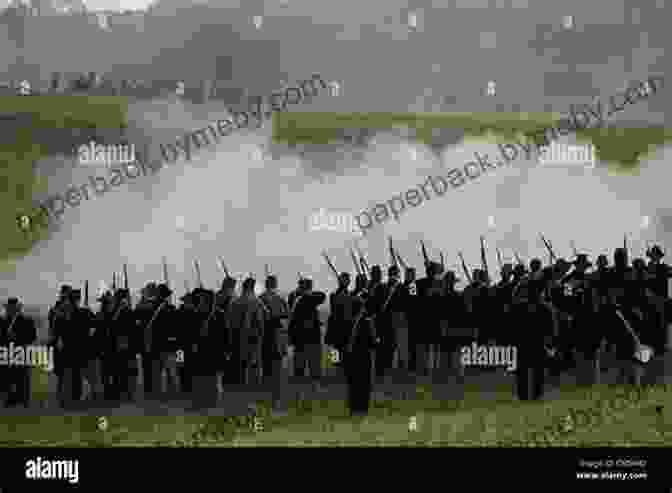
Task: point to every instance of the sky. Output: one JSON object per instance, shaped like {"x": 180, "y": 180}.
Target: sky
{"x": 105, "y": 4}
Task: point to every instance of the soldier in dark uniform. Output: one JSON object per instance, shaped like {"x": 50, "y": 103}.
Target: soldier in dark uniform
{"x": 503, "y": 292}
{"x": 622, "y": 314}
{"x": 376, "y": 280}
{"x": 478, "y": 297}
{"x": 532, "y": 332}
{"x": 75, "y": 336}
{"x": 359, "y": 354}
{"x": 223, "y": 332}
{"x": 186, "y": 315}
{"x": 413, "y": 316}
{"x": 585, "y": 327}
{"x": 305, "y": 333}
{"x": 456, "y": 330}
{"x": 18, "y": 330}
{"x": 59, "y": 314}
{"x": 389, "y": 319}
{"x": 206, "y": 352}
{"x": 274, "y": 344}
{"x": 430, "y": 291}
{"x": 659, "y": 275}
{"x": 341, "y": 316}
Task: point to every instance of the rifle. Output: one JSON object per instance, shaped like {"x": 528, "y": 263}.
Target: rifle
{"x": 393, "y": 258}
{"x": 86, "y": 293}
{"x": 198, "y": 274}
{"x": 362, "y": 261}
{"x": 222, "y": 266}
{"x": 330, "y": 264}
{"x": 625, "y": 242}
{"x": 518, "y": 259}
{"x": 424, "y": 253}
{"x": 484, "y": 260}
{"x": 358, "y": 268}
{"x": 165, "y": 271}
{"x": 401, "y": 260}
{"x": 114, "y": 282}
{"x": 464, "y": 268}
{"x": 499, "y": 259}
{"x": 443, "y": 263}
{"x": 126, "y": 276}
{"x": 549, "y": 247}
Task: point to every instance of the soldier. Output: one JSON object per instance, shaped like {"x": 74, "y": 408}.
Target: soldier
{"x": 274, "y": 340}
{"x": 223, "y": 332}
{"x": 358, "y": 356}
{"x": 155, "y": 318}
{"x": 305, "y": 333}
{"x": 376, "y": 278}
{"x": 186, "y": 315}
{"x": 18, "y": 330}
{"x": 478, "y": 298}
{"x": 532, "y": 335}
{"x": 413, "y": 315}
{"x": 430, "y": 290}
{"x": 390, "y": 321}
{"x": 341, "y": 316}
{"x": 247, "y": 321}
{"x": 456, "y": 330}
{"x": 58, "y": 314}
{"x": 74, "y": 336}
{"x": 205, "y": 350}
{"x": 503, "y": 292}
{"x": 659, "y": 275}
{"x": 585, "y": 328}
{"x": 623, "y": 318}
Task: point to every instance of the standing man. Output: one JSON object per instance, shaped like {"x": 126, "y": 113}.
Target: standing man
{"x": 274, "y": 339}
{"x": 358, "y": 357}
{"x": 226, "y": 353}
{"x": 186, "y": 318}
{"x": 205, "y": 350}
{"x": 390, "y": 320}
{"x": 247, "y": 320}
{"x": 341, "y": 316}
{"x": 430, "y": 291}
{"x": 19, "y": 330}
{"x": 59, "y": 314}
{"x": 305, "y": 332}
{"x": 659, "y": 275}
{"x": 413, "y": 316}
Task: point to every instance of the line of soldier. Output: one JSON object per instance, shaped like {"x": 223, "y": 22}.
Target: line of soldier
{"x": 559, "y": 316}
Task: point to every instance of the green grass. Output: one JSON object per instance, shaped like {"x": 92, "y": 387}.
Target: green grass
{"x": 46, "y": 124}
{"x": 621, "y": 148}
{"x": 467, "y": 422}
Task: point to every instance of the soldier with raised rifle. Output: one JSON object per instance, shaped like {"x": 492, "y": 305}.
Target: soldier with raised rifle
{"x": 414, "y": 316}
{"x": 247, "y": 321}
{"x": 341, "y": 315}
{"x": 206, "y": 353}
{"x": 19, "y": 330}
{"x": 227, "y": 355}
{"x": 390, "y": 318}
{"x": 430, "y": 291}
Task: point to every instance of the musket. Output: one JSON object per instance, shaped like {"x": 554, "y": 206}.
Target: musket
{"x": 114, "y": 282}
{"x": 358, "y": 268}
{"x": 443, "y": 262}
{"x": 126, "y": 276}
{"x": 499, "y": 259}
{"x": 424, "y": 253}
{"x": 393, "y": 258}
{"x": 330, "y": 264}
{"x": 518, "y": 259}
{"x": 222, "y": 266}
{"x": 625, "y": 242}
{"x": 401, "y": 260}
{"x": 484, "y": 260}
{"x": 86, "y": 293}
{"x": 165, "y": 271}
{"x": 199, "y": 281}
{"x": 464, "y": 268}
{"x": 362, "y": 261}
{"x": 549, "y": 247}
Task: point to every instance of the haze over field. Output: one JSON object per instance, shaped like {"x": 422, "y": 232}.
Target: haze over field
{"x": 254, "y": 211}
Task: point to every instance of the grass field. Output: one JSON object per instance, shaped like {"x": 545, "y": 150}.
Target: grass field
{"x": 482, "y": 413}
{"x": 622, "y": 148}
